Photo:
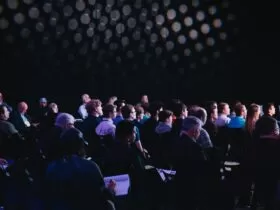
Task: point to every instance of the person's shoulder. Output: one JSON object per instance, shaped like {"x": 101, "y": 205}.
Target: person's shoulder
{"x": 74, "y": 160}
{"x": 5, "y": 122}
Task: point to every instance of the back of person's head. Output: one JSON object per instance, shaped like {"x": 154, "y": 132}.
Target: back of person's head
{"x": 125, "y": 131}
{"x": 190, "y": 122}
{"x": 179, "y": 108}
{"x": 72, "y": 142}
{"x": 198, "y": 112}
{"x": 164, "y": 115}
{"x": 92, "y": 105}
{"x": 266, "y": 125}
{"x": 239, "y": 109}
{"x": 108, "y": 110}
{"x": 64, "y": 120}
{"x": 126, "y": 110}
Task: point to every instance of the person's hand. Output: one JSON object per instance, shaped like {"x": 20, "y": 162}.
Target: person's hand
{"x": 112, "y": 185}
{"x": 146, "y": 154}
{"x": 35, "y": 124}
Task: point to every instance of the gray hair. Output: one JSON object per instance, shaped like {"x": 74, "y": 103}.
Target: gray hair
{"x": 63, "y": 119}
{"x": 191, "y": 122}
{"x": 198, "y": 112}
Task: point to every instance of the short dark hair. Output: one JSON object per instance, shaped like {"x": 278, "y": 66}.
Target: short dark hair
{"x": 267, "y": 106}
{"x": 179, "y": 108}
{"x": 72, "y": 142}
{"x": 238, "y": 109}
{"x": 107, "y": 109}
{"x": 164, "y": 115}
{"x": 123, "y": 129}
{"x": 126, "y": 110}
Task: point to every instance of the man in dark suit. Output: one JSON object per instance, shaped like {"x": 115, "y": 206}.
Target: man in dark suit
{"x": 21, "y": 119}
{"x": 73, "y": 182}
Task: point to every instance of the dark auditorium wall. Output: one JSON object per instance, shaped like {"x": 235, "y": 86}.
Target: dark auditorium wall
{"x": 194, "y": 50}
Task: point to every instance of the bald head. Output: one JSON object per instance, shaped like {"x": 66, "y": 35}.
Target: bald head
{"x": 22, "y": 107}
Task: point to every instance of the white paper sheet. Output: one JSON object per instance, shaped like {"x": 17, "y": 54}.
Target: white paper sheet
{"x": 169, "y": 172}
{"x": 122, "y": 183}
{"x": 164, "y": 172}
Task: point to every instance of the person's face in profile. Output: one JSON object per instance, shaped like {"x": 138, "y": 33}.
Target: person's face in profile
{"x": 195, "y": 132}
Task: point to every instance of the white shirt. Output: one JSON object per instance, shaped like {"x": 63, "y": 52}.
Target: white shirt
{"x": 222, "y": 120}
{"x": 82, "y": 111}
{"x": 25, "y": 120}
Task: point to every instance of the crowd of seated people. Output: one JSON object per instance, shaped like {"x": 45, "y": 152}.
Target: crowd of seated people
{"x": 221, "y": 157}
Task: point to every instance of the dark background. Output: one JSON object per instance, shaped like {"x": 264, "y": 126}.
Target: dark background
{"x": 242, "y": 66}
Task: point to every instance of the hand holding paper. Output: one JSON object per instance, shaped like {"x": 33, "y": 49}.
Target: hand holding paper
{"x": 120, "y": 184}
